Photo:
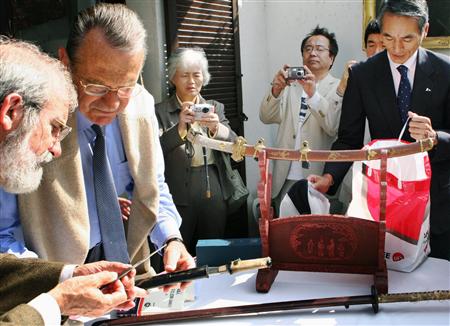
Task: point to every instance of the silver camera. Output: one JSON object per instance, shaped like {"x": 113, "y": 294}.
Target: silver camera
{"x": 296, "y": 73}
{"x": 200, "y": 110}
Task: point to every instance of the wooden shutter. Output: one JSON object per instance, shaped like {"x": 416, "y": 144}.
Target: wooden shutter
{"x": 212, "y": 25}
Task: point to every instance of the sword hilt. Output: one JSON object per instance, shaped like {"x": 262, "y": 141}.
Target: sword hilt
{"x": 437, "y": 295}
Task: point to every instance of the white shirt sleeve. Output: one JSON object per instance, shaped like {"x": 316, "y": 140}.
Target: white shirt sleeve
{"x": 47, "y": 307}
{"x": 66, "y": 272}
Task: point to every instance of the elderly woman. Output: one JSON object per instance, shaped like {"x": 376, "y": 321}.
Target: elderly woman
{"x": 202, "y": 206}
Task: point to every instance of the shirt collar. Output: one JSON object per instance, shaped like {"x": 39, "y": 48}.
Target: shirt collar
{"x": 84, "y": 124}
{"x": 410, "y": 63}
{"x": 196, "y": 100}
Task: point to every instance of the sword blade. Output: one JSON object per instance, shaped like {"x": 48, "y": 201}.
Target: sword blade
{"x": 276, "y": 307}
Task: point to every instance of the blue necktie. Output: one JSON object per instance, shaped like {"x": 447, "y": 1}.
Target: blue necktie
{"x": 404, "y": 93}
{"x": 108, "y": 210}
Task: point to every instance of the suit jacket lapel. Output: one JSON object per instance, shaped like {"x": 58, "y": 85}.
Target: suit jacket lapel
{"x": 423, "y": 84}
{"x": 385, "y": 92}
{"x": 58, "y": 229}
{"x": 137, "y": 135}
{"x": 174, "y": 104}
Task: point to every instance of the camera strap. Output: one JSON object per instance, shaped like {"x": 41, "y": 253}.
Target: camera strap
{"x": 205, "y": 162}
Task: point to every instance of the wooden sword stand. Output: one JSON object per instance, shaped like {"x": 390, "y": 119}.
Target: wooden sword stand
{"x": 318, "y": 243}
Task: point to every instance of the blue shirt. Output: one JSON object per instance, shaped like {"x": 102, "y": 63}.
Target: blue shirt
{"x": 168, "y": 220}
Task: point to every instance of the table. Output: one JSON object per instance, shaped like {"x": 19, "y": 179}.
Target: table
{"x": 239, "y": 289}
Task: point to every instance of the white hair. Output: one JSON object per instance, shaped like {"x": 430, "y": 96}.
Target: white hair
{"x": 35, "y": 76}
{"x": 186, "y": 58}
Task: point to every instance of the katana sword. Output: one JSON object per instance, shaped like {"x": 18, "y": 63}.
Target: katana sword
{"x": 277, "y": 307}
{"x": 239, "y": 149}
{"x": 235, "y": 266}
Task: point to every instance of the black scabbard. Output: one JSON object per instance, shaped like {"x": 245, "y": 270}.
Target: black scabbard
{"x": 176, "y": 277}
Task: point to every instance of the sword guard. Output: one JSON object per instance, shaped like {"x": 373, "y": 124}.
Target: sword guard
{"x": 239, "y": 149}
{"x": 375, "y": 305}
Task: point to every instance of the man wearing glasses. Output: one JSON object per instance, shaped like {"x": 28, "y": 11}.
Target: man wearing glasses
{"x": 113, "y": 149}
{"x": 404, "y": 84}
{"x": 33, "y": 112}
{"x": 305, "y": 109}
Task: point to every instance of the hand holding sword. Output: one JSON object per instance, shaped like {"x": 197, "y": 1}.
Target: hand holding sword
{"x": 165, "y": 279}
{"x": 140, "y": 262}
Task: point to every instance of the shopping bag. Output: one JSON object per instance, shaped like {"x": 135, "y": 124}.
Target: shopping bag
{"x": 408, "y": 204}
{"x": 303, "y": 198}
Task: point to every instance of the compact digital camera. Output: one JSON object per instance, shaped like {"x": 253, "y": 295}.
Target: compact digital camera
{"x": 201, "y": 109}
{"x": 296, "y": 73}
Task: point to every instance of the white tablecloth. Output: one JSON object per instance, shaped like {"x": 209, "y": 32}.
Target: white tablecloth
{"x": 239, "y": 289}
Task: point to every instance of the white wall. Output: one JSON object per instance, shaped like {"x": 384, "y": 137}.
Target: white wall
{"x": 154, "y": 71}
{"x": 270, "y": 36}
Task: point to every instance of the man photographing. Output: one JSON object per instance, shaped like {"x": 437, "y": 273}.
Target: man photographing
{"x": 306, "y": 108}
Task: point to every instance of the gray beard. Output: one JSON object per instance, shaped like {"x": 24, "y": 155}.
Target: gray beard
{"x": 20, "y": 167}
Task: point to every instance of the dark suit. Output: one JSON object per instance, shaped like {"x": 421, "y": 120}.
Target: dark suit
{"x": 20, "y": 281}
{"x": 370, "y": 93}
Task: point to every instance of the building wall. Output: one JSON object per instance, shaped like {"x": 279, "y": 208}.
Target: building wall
{"x": 154, "y": 71}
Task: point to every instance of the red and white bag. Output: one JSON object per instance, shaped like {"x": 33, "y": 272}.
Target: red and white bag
{"x": 408, "y": 204}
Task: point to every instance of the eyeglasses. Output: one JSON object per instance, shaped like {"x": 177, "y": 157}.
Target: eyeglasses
{"x": 60, "y": 130}
{"x": 317, "y": 48}
{"x": 100, "y": 90}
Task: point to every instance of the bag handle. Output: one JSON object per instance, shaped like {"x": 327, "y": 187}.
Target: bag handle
{"x": 383, "y": 185}
{"x": 403, "y": 129}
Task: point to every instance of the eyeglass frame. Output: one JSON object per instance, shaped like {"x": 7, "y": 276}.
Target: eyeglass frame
{"x": 63, "y": 129}
{"x": 107, "y": 89}
{"x": 318, "y": 48}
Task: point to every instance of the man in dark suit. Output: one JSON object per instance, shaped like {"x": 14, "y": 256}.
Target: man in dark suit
{"x": 36, "y": 96}
{"x": 405, "y": 80}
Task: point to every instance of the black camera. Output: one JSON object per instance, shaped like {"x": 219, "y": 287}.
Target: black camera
{"x": 296, "y": 73}
{"x": 201, "y": 109}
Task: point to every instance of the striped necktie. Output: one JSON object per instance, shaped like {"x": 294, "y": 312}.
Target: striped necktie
{"x": 303, "y": 110}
